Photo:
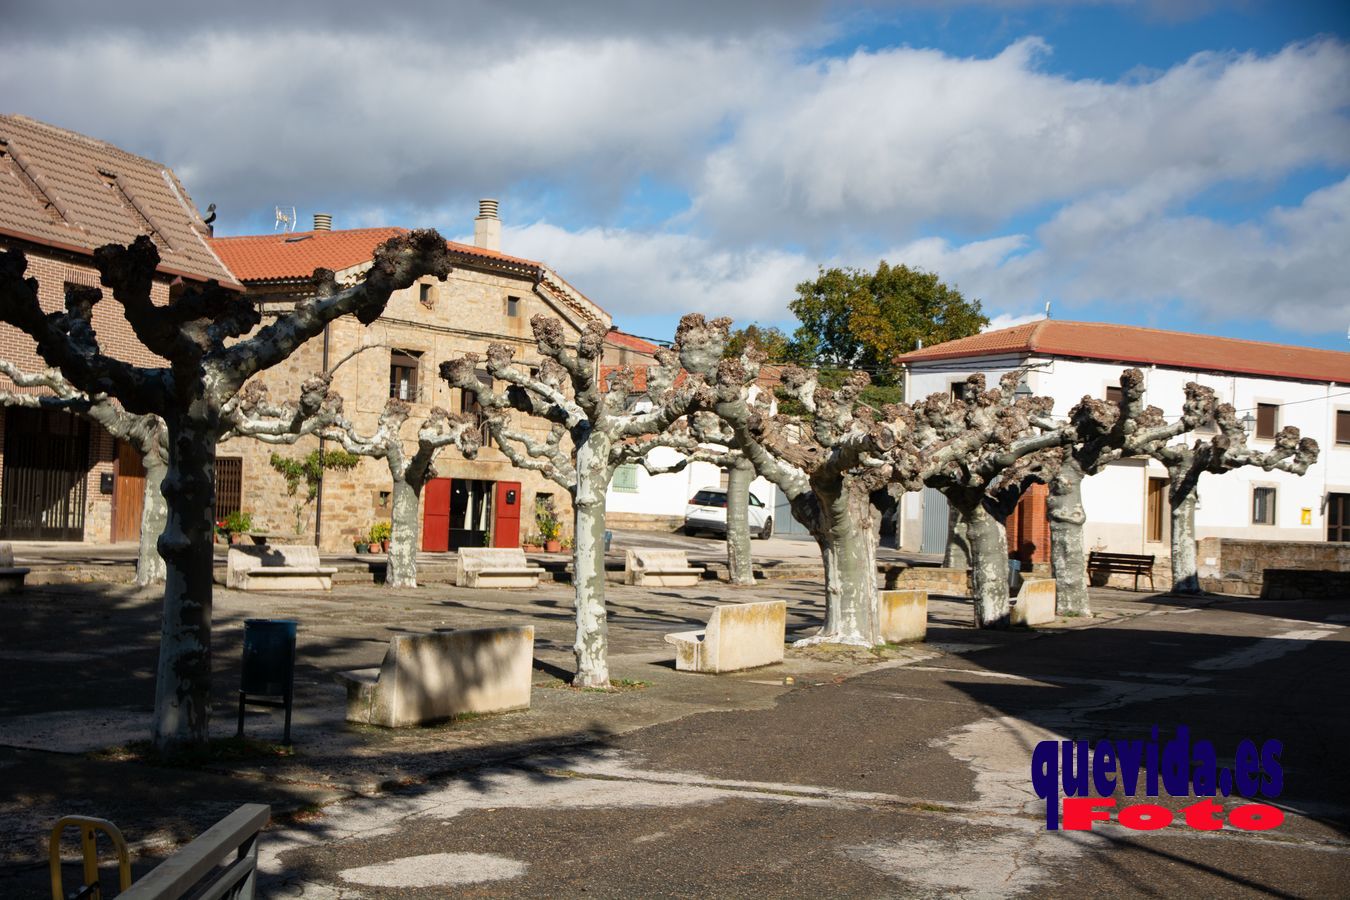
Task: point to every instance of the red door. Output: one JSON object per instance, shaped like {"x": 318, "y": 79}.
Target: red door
{"x": 506, "y": 510}
{"x": 436, "y": 516}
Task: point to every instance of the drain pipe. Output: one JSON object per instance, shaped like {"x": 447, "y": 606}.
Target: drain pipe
{"x": 318, "y": 497}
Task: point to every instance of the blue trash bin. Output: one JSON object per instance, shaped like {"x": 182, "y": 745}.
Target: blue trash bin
{"x": 609, "y": 536}
{"x": 268, "y": 668}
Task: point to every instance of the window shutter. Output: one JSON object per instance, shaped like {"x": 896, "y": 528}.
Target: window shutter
{"x": 1343, "y": 426}
{"x": 1265, "y": 420}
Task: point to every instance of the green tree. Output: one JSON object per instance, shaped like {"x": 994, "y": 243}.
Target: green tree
{"x": 309, "y": 472}
{"x": 777, "y": 346}
{"x": 856, "y": 319}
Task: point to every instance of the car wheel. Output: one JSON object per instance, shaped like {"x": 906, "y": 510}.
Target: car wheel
{"x": 767, "y": 531}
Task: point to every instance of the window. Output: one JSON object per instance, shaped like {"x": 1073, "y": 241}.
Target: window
{"x": 1157, "y": 502}
{"x": 1114, "y": 394}
{"x": 755, "y": 501}
{"x": 1263, "y": 506}
{"x": 1343, "y": 426}
{"x": 1266, "y": 415}
{"x": 403, "y": 375}
{"x": 959, "y": 389}
{"x": 625, "y": 478}
{"x": 1338, "y": 517}
{"x": 512, "y": 307}
{"x": 229, "y": 485}
{"x": 468, "y": 400}
{"x": 425, "y": 296}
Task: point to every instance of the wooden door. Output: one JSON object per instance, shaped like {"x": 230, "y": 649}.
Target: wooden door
{"x": 46, "y": 476}
{"x": 436, "y": 516}
{"x": 506, "y": 509}
{"x": 1157, "y": 510}
{"x": 128, "y": 493}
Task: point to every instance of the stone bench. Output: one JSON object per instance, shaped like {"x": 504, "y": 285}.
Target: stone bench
{"x": 659, "y": 568}
{"x": 1034, "y": 603}
{"x": 433, "y": 677}
{"x": 277, "y": 567}
{"x": 11, "y": 576}
{"x": 738, "y": 636}
{"x": 904, "y": 616}
{"x": 495, "y": 567}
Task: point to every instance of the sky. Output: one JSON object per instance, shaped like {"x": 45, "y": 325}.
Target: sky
{"x": 1179, "y": 164}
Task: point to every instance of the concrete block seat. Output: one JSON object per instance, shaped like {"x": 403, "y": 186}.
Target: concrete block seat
{"x": 738, "y": 636}
{"x": 904, "y": 616}
{"x": 428, "y": 678}
{"x": 277, "y": 567}
{"x": 1034, "y": 603}
{"x": 11, "y": 576}
{"x": 495, "y": 567}
{"x": 659, "y": 568}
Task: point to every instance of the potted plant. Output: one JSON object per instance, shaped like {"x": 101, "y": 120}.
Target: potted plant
{"x": 550, "y": 529}
{"x": 361, "y": 546}
{"x": 532, "y": 543}
{"x": 236, "y": 524}
{"x": 380, "y": 533}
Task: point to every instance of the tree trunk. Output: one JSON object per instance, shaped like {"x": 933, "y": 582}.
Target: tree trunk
{"x": 1185, "y": 576}
{"x": 183, "y": 682}
{"x": 843, "y": 526}
{"x": 406, "y": 528}
{"x": 154, "y": 516}
{"x": 1064, "y": 508}
{"x": 958, "y": 543}
{"x": 588, "y": 564}
{"x": 989, "y": 567}
{"x": 740, "y": 563}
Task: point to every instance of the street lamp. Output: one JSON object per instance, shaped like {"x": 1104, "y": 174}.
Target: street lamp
{"x": 1023, "y": 390}
{"x": 1248, "y": 423}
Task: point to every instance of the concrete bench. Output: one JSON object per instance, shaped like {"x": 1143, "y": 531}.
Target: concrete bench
{"x": 11, "y": 576}
{"x": 432, "y": 677}
{"x": 904, "y": 616}
{"x": 496, "y": 567}
{"x": 659, "y": 568}
{"x": 1034, "y": 603}
{"x": 277, "y": 567}
{"x": 738, "y": 636}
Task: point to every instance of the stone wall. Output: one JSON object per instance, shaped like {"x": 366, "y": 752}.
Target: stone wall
{"x": 935, "y": 580}
{"x": 1234, "y": 566}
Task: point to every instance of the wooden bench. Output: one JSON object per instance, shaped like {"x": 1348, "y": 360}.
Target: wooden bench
{"x": 659, "y": 568}
{"x": 198, "y": 867}
{"x": 11, "y": 576}
{"x": 432, "y": 677}
{"x": 495, "y": 567}
{"x": 738, "y": 636}
{"x": 1034, "y": 602}
{"x": 1122, "y": 564}
{"x": 277, "y": 567}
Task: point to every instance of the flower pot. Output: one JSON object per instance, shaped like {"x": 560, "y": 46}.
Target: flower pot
{"x": 237, "y": 537}
{"x": 553, "y": 546}
{"x": 532, "y": 548}
{"x": 361, "y": 548}
{"x": 374, "y": 548}
{"x": 384, "y": 546}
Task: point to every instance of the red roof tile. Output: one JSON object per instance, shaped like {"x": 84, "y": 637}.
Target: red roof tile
{"x": 65, "y": 190}
{"x": 1147, "y": 346}
{"x": 630, "y": 341}
{"x": 285, "y": 257}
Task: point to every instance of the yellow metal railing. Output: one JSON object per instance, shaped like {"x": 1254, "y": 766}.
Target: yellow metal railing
{"x": 89, "y": 828}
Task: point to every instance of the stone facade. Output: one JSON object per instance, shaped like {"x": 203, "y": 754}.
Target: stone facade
{"x": 1306, "y": 568}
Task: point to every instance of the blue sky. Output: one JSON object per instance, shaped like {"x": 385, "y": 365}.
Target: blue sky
{"x": 1173, "y": 164}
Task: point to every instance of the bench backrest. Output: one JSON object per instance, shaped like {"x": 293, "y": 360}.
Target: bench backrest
{"x": 420, "y": 670}
{"x": 236, "y": 833}
{"x": 6, "y": 555}
{"x": 475, "y": 559}
{"x": 737, "y": 627}
{"x": 1097, "y": 557}
{"x": 639, "y": 558}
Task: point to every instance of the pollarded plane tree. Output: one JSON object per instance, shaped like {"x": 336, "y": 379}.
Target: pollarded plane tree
{"x": 827, "y": 463}
{"x": 1221, "y": 453}
{"x": 591, "y": 433}
{"x": 1104, "y": 432}
{"x": 201, "y": 332}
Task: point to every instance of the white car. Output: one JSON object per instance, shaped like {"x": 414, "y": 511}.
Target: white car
{"x": 707, "y": 511}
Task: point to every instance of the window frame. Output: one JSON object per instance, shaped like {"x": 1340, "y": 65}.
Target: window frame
{"x": 512, "y": 307}
{"x": 409, "y": 361}
{"x": 1274, "y": 421}
{"x": 1342, "y": 415}
{"x": 1270, "y": 504}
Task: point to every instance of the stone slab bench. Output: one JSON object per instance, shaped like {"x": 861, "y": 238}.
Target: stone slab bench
{"x": 277, "y": 567}
{"x": 429, "y": 678}
{"x": 11, "y": 576}
{"x": 738, "y": 636}
{"x": 495, "y": 567}
{"x": 904, "y": 616}
{"x": 1034, "y": 603}
{"x": 659, "y": 568}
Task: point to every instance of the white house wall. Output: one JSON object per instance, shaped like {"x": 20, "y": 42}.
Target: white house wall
{"x": 668, "y": 494}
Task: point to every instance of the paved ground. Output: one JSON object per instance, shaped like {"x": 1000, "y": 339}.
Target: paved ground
{"x": 904, "y": 773}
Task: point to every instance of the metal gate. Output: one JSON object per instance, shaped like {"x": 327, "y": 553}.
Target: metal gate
{"x": 934, "y": 521}
{"x": 45, "y": 475}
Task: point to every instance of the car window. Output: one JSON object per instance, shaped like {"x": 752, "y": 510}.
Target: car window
{"x": 710, "y": 498}
{"x": 755, "y": 501}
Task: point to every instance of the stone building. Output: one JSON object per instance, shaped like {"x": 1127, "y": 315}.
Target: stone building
{"x": 489, "y": 296}
{"x": 62, "y": 195}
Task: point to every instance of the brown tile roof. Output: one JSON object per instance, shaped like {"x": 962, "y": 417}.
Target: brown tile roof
{"x": 286, "y": 257}
{"x": 1147, "y": 346}
{"x": 630, "y": 341}
{"x": 71, "y": 192}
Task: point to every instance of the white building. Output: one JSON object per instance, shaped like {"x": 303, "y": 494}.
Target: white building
{"x": 1126, "y": 505}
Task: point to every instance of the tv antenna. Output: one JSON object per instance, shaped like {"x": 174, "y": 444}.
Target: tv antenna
{"x": 285, "y": 220}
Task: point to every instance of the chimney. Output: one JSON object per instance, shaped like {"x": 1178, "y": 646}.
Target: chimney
{"x": 323, "y": 221}
{"x": 487, "y": 228}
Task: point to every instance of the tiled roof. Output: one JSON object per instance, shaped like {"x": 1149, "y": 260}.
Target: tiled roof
{"x": 285, "y": 257}
{"x": 1146, "y": 346}
{"x": 630, "y": 341}
{"x": 64, "y": 190}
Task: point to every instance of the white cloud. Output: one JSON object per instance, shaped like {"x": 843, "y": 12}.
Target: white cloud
{"x": 1008, "y": 320}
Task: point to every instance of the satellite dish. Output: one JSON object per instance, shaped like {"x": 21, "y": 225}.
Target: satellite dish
{"x": 285, "y": 220}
